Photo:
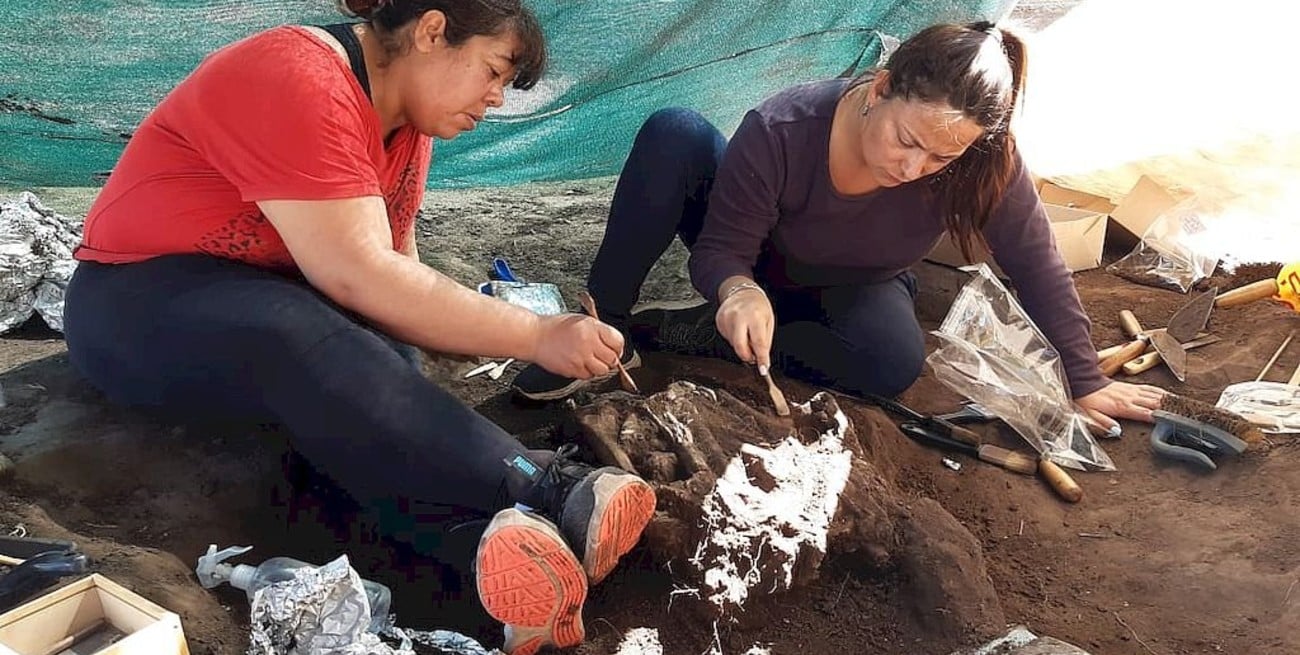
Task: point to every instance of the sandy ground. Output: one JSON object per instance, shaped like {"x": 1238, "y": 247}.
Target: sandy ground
{"x": 1156, "y": 560}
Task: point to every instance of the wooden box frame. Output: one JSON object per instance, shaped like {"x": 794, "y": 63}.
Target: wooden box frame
{"x": 39, "y": 625}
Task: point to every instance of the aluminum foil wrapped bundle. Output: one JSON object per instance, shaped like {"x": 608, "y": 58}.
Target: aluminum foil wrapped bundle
{"x": 35, "y": 261}
{"x": 324, "y": 611}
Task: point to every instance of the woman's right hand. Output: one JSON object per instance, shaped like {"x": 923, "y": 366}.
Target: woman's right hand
{"x": 577, "y": 346}
{"x": 746, "y": 320}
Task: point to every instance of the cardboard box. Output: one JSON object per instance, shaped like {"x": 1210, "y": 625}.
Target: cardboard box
{"x": 1079, "y": 222}
{"x": 1052, "y": 194}
{"x": 1080, "y": 236}
{"x": 70, "y": 615}
{"x": 1138, "y": 209}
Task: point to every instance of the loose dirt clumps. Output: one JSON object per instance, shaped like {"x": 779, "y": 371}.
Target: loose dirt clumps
{"x": 750, "y": 504}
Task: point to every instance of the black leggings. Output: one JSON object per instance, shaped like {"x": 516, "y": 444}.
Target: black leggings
{"x": 855, "y": 338}
{"x": 204, "y": 336}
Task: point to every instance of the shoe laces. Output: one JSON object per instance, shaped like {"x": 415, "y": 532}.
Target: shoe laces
{"x": 558, "y": 479}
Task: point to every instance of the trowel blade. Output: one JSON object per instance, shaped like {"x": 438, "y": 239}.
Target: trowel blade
{"x": 1192, "y": 317}
{"x": 1172, "y": 352}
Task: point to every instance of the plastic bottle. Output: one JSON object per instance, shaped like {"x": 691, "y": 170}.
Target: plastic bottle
{"x": 212, "y": 571}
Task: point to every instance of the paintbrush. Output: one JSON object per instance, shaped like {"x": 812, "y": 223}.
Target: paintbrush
{"x": 778, "y": 398}
{"x": 589, "y": 305}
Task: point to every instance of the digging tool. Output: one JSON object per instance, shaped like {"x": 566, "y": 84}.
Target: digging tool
{"x": 1285, "y": 288}
{"x": 589, "y": 306}
{"x": 1061, "y": 483}
{"x": 933, "y": 423}
{"x": 1170, "y": 350}
{"x": 1007, "y": 459}
{"x": 778, "y": 399}
{"x": 1106, "y": 352}
{"x": 1150, "y": 360}
{"x": 1192, "y": 317}
{"x": 970, "y": 412}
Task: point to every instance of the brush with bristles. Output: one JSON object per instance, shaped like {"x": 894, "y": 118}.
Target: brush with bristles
{"x": 1229, "y": 422}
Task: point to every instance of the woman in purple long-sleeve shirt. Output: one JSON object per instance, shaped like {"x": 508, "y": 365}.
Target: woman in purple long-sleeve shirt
{"x": 802, "y": 228}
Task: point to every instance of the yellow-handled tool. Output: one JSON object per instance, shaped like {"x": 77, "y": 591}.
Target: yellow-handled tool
{"x": 1285, "y": 288}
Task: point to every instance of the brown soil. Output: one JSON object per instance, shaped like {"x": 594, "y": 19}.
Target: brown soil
{"x": 1157, "y": 558}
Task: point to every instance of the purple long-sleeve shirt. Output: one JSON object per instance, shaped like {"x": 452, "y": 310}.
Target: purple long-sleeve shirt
{"x": 774, "y": 214}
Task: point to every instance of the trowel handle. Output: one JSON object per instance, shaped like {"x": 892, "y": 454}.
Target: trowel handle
{"x": 1247, "y": 294}
{"x": 1133, "y": 349}
{"x": 1142, "y": 364}
{"x": 1060, "y": 481}
{"x": 1129, "y": 323}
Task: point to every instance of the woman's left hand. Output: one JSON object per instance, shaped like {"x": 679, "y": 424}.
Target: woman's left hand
{"x": 1121, "y": 400}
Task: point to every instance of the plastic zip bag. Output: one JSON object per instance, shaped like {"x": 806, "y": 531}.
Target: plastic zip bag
{"x": 994, "y": 354}
{"x": 1273, "y": 406}
{"x": 1177, "y": 250}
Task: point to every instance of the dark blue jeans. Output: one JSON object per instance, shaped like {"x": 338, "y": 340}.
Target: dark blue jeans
{"x": 857, "y": 338}
{"x": 207, "y": 337}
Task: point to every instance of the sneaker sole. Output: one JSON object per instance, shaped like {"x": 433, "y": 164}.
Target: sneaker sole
{"x": 624, "y": 506}
{"x": 528, "y": 579}
{"x": 572, "y": 387}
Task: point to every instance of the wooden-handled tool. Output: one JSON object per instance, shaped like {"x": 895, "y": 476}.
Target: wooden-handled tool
{"x": 1284, "y": 288}
{"x": 1060, "y": 481}
{"x": 1151, "y": 359}
{"x": 1247, "y": 294}
{"x": 589, "y": 305}
{"x": 1128, "y": 352}
{"x": 1007, "y": 459}
{"x": 778, "y": 398}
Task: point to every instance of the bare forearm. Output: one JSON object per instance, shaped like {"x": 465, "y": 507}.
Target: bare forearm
{"x": 411, "y": 250}
{"x": 418, "y": 305}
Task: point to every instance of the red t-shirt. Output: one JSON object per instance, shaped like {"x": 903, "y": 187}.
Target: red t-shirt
{"x": 276, "y": 116}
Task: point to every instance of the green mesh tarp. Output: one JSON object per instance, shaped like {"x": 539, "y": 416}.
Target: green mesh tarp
{"x": 77, "y": 76}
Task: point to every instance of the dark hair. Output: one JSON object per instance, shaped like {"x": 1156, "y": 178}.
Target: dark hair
{"x": 950, "y": 64}
{"x": 465, "y": 18}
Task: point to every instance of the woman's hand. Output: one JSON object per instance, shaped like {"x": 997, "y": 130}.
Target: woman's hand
{"x": 577, "y": 346}
{"x": 1121, "y": 400}
{"x": 746, "y": 320}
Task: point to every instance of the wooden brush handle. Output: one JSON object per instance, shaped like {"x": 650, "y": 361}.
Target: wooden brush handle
{"x": 1128, "y": 322}
{"x": 1295, "y": 378}
{"x": 1060, "y": 481}
{"x": 1128, "y": 353}
{"x": 1247, "y": 294}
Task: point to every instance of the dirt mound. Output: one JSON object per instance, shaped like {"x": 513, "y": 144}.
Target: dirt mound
{"x": 751, "y": 503}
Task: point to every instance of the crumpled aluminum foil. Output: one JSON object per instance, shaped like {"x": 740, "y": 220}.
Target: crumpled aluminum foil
{"x": 324, "y": 611}
{"x": 36, "y": 261}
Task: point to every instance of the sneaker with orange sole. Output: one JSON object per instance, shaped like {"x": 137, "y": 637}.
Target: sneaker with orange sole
{"x": 530, "y": 580}
{"x": 601, "y": 512}
{"x": 603, "y": 516}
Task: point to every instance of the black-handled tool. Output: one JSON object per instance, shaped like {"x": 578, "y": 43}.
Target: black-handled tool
{"x": 37, "y": 573}
{"x": 25, "y": 547}
{"x": 935, "y": 424}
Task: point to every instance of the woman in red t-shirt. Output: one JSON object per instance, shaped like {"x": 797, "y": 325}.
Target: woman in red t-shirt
{"x": 253, "y": 254}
